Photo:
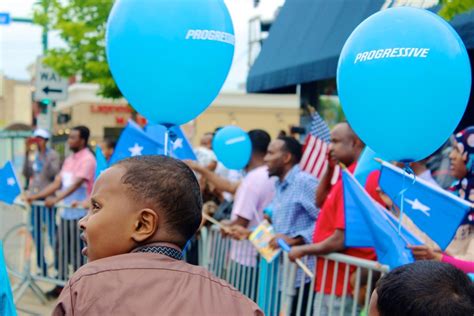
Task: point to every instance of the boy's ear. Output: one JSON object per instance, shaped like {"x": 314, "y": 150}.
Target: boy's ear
{"x": 145, "y": 226}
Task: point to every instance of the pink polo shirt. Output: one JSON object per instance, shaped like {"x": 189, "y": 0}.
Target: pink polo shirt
{"x": 80, "y": 165}
{"x": 255, "y": 192}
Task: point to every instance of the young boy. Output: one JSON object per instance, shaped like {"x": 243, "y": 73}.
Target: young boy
{"x": 423, "y": 288}
{"x": 143, "y": 211}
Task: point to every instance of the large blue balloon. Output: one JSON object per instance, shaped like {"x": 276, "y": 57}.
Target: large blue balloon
{"x": 170, "y": 58}
{"x": 232, "y": 147}
{"x": 404, "y": 80}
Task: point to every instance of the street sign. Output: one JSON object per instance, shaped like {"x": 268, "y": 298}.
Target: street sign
{"x": 15, "y": 134}
{"x": 5, "y": 18}
{"x": 49, "y": 85}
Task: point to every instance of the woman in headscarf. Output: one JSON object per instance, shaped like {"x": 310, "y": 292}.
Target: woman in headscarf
{"x": 461, "y": 249}
{"x": 462, "y": 168}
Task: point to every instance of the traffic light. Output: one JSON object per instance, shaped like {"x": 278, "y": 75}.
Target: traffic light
{"x": 43, "y": 106}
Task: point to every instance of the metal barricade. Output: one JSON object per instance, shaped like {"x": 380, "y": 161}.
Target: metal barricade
{"x": 44, "y": 245}
{"x": 49, "y": 247}
{"x": 359, "y": 279}
{"x": 273, "y": 285}
{"x": 231, "y": 260}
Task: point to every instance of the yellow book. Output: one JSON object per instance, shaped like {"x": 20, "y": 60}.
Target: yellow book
{"x": 261, "y": 238}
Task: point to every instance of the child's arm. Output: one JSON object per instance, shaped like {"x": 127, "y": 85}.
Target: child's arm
{"x": 464, "y": 265}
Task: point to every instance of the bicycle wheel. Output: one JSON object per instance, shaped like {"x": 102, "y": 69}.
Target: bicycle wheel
{"x": 17, "y": 245}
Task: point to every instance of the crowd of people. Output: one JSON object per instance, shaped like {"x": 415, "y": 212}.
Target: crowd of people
{"x": 148, "y": 205}
{"x": 309, "y": 213}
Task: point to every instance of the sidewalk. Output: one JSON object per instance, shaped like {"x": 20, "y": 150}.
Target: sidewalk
{"x": 29, "y": 304}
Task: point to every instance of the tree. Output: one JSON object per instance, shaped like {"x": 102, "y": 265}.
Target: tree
{"x": 82, "y": 25}
{"x": 451, "y": 8}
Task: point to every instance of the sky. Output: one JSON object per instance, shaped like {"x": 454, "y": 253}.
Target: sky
{"x": 20, "y": 43}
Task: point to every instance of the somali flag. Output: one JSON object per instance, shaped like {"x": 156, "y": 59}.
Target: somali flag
{"x": 7, "y": 307}
{"x": 365, "y": 165}
{"x": 102, "y": 163}
{"x": 389, "y": 245}
{"x": 9, "y": 184}
{"x": 134, "y": 141}
{"x": 436, "y": 212}
{"x": 180, "y": 148}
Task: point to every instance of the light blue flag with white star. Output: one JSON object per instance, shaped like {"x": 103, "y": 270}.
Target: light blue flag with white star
{"x": 135, "y": 142}
{"x": 180, "y": 148}
{"x": 7, "y": 306}
{"x": 435, "y": 211}
{"x": 9, "y": 184}
{"x": 390, "y": 246}
{"x": 102, "y": 163}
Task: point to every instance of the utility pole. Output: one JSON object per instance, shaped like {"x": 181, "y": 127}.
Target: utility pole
{"x": 46, "y": 104}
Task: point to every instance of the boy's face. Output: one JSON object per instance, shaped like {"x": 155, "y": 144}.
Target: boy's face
{"x": 111, "y": 220}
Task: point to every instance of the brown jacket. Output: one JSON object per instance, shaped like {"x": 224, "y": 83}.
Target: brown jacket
{"x": 149, "y": 284}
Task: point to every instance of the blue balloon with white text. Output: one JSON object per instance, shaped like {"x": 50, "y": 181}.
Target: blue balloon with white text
{"x": 170, "y": 58}
{"x": 232, "y": 147}
{"x": 404, "y": 81}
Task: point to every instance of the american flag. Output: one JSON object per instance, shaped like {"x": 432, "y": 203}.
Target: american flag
{"x": 315, "y": 150}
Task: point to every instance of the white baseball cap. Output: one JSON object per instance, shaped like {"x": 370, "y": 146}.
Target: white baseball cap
{"x": 42, "y": 133}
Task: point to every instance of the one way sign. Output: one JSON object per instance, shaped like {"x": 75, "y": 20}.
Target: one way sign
{"x": 49, "y": 85}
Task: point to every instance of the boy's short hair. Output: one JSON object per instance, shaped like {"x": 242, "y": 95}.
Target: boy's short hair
{"x": 425, "y": 288}
{"x": 170, "y": 186}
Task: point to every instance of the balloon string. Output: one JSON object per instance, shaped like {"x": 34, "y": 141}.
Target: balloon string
{"x": 408, "y": 170}
{"x": 166, "y": 145}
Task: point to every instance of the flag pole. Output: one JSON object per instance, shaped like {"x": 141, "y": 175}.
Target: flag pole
{"x": 401, "y": 210}
{"x": 215, "y": 222}
{"x": 343, "y": 166}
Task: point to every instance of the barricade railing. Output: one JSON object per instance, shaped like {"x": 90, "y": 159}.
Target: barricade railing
{"x": 51, "y": 244}
{"x": 277, "y": 289}
{"x": 46, "y": 246}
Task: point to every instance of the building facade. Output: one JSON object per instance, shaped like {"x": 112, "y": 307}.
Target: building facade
{"x": 106, "y": 117}
{"x": 15, "y": 102}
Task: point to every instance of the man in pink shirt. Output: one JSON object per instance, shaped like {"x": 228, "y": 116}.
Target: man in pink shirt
{"x": 254, "y": 193}
{"x": 74, "y": 183}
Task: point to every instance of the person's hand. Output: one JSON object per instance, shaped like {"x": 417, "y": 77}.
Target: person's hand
{"x": 194, "y": 165}
{"x": 50, "y": 202}
{"x": 296, "y": 252}
{"x": 274, "y": 242}
{"x": 423, "y": 252}
{"x": 239, "y": 232}
{"x": 29, "y": 198}
{"x": 385, "y": 198}
{"x": 332, "y": 161}
{"x": 225, "y": 227}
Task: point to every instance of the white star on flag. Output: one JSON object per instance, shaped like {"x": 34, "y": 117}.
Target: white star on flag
{"x": 417, "y": 205}
{"x": 11, "y": 182}
{"x": 178, "y": 143}
{"x": 136, "y": 150}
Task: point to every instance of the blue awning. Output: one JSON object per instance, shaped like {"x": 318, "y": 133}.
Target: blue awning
{"x": 305, "y": 41}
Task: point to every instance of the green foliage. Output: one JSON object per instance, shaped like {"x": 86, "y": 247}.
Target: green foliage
{"x": 82, "y": 25}
{"x": 330, "y": 109}
{"x": 451, "y": 8}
